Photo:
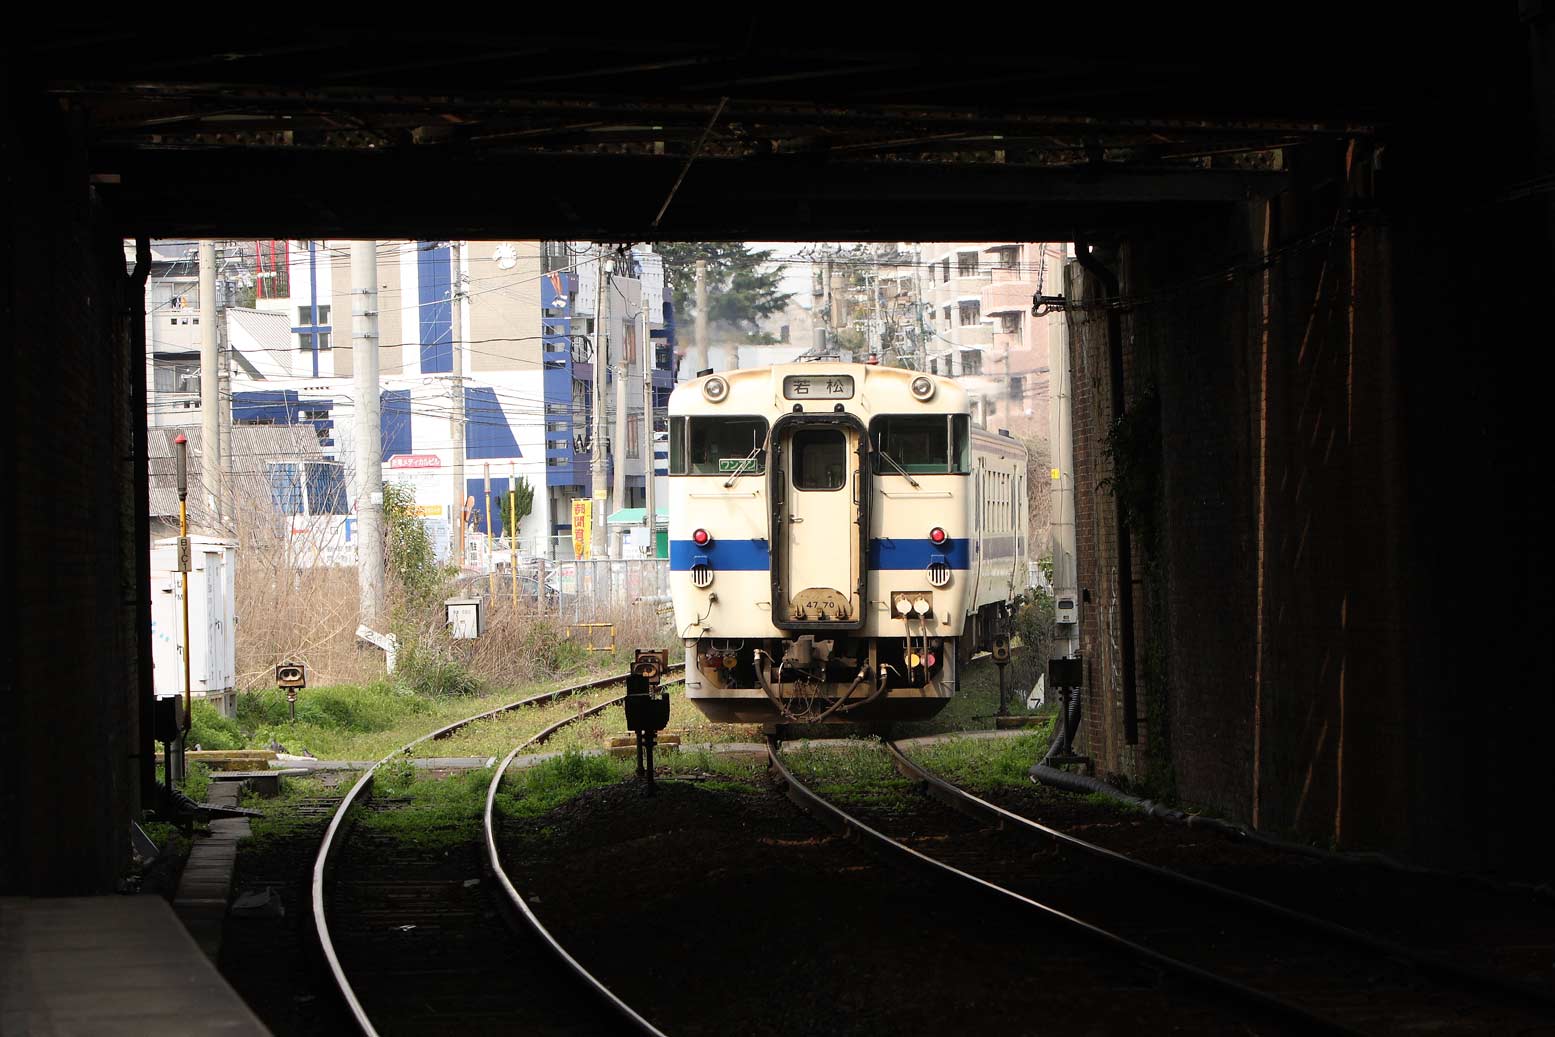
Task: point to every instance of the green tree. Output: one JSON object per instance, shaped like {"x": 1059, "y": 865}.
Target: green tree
{"x": 740, "y": 290}
{"x": 408, "y": 552}
{"x": 516, "y": 505}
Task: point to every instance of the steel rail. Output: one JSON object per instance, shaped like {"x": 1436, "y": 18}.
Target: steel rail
{"x": 840, "y": 819}
{"x": 329, "y": 848}
{"x": 518, "y": 909}
{"x": 964, "y": 802}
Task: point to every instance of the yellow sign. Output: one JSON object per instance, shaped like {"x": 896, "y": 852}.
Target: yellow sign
{"x": 429, "y": 510}
{"x": 582, "y": 533}
{"x": 1055, "y": 473}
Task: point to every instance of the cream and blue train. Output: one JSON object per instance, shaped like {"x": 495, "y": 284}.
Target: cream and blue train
{"x": 841, "y": 540}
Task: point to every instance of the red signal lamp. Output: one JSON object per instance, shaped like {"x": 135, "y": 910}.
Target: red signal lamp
{"x": 702, "y": 538}
{"x": 937, "y": 535}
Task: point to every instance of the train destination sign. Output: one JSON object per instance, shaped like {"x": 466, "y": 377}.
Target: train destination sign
{"x": 818, "y": 387}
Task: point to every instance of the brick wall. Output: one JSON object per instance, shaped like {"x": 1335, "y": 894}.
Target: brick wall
{"x": 68, "y": 784}
{"x": 1299, "y": 665}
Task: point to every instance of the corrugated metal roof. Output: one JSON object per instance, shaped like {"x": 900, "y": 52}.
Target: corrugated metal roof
{"x": 270, "y": 331}
{"x": 252, "y": 447}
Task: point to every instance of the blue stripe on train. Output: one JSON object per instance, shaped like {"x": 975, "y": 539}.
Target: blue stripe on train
{"x": 722, "y": 555}
{"x": 890, "y": 553}
{"x": 917, "y": 553}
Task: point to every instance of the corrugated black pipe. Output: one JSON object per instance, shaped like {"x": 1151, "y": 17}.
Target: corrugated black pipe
{"x": 1109, "y": 282}
{"x": 1064, "y": 738}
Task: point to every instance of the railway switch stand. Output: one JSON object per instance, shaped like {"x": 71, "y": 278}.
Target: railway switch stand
{"x": 647, "y": 707}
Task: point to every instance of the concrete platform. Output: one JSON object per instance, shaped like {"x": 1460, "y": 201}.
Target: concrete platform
{"x": 109, "y": 965}
{"x": 201, "y": 900}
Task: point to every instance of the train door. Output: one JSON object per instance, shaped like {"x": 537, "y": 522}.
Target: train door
{"x": 979, "y": 490}
{"x": 820, "y": 523}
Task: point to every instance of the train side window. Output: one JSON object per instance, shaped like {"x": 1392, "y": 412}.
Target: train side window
{"x": 718, "y": 446}
{"x": 961, "y": 443}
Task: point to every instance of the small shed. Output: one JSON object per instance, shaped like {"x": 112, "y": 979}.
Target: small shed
{"x": 212, "y": 621}
{"x": 635, "y": 538}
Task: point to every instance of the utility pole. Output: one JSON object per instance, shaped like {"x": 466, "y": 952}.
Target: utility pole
{"x": 650, "y": 462}
{"x": 368, "y": 431}
{"x": 210, "y": 386}
{"x": 457, "y": 387}
{"x": 597, "y": 450}
{"x": 618, "y": 426}
{"x": 917, "y": 298}
{"x": 224, "y": 397}
{"x": 699, "y": 358}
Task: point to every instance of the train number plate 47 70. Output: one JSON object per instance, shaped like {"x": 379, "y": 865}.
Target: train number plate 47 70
{"x": 819, "y": 604}
{"x": 818, "y": 387}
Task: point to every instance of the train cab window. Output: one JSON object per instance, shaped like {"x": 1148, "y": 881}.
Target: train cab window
{"x": 717, "y": 445}
{"x": 923, "y": 444}
{"x": 820, "y": 459}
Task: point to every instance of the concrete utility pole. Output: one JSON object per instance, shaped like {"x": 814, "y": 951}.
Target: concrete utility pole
{"x": 210, "y": 386}
{"x": 368, "y": 431}
{"x": 699, "y": 358}
{"x": 457, "y": 387}
{"x": 649, "y": 462}
{"x": 618, "y": 428}
{"x": 597, "y": 450}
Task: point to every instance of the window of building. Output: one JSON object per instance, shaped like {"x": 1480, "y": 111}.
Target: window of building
{"x": 1004, "y": 259}
{"x": 947, "y": 313}
{"x": 972, "y": 361}
{"x": 966, "y": 264}
{"x": 1009, "y": 323}
{"x": 305, "y": 320}
{"x": 971, "y": 312}
{"x": 1017, "y": 388}
{"x": 945, "y": 269}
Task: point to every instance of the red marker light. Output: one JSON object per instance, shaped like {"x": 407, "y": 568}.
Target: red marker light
{"x": 702, "y": 538}
{"x": 928, "y": 660}
{"x": 937, "y": 535}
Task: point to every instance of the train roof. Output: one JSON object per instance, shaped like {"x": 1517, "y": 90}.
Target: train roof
{"x": 770, "y": 390}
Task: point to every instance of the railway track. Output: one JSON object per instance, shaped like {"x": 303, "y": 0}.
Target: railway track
{"x": 440, "y": 956}
{"x": 1307, "y": 971}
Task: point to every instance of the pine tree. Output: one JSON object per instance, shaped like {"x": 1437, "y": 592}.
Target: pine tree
{"x": 740, "y": 292}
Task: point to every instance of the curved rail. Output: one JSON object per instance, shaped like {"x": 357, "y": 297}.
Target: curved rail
{"x": 518, "y": 909}
{"x": 330, "y": 847}
{"x": 841, "y": 820}
{"x": 965, "y": 802}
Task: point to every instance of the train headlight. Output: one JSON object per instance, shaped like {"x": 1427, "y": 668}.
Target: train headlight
{"x": 922, "y": 388}
{"x": 937, "y": 535}
{"x": 715, "y": 389}
{"x": 701, "y": 538}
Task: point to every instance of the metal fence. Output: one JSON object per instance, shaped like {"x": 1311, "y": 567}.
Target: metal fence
{"x": 585, "y": 589}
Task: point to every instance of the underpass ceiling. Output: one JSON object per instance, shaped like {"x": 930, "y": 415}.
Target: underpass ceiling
{"x": 797, "y": 134}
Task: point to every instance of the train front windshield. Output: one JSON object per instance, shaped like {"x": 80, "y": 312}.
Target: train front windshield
{"x": 923, "y": 444}
{"x": 717, "y": 445}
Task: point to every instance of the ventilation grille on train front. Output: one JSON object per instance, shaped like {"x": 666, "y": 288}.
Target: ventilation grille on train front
{"x": 702, "y": 575}
{"x": 939, "y": 574}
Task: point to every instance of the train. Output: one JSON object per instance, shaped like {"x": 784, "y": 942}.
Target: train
{"x": 843, "y": 537}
